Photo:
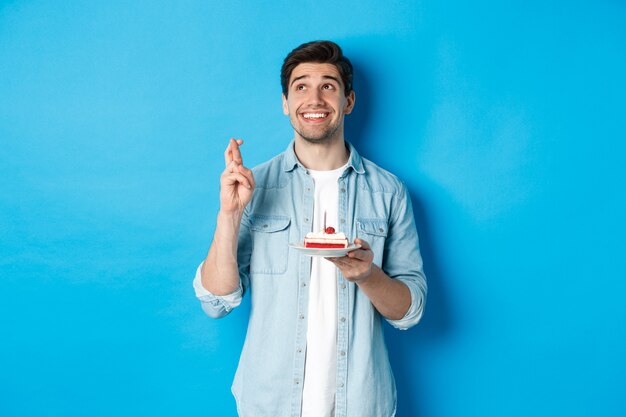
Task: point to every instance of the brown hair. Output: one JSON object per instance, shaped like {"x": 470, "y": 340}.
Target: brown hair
{"x": 321, "y": 52}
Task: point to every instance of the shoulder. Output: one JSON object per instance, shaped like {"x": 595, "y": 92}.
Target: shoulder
{"x": 377, "y": 179}
{"x": 271, "y": 173}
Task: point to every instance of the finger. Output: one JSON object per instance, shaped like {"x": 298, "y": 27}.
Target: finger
{"x": 247, "y": 173}
{"x": 362, "y": 255}
{"x": 232, "y": 167}
{"x": 232, "y": 151}
{"x": 228, "y": 153}
{"x": 363, "y": 243}
{"x": 340, "y": 262}
{"x": 237, "y": 178}
{"x": 236, "y": 152}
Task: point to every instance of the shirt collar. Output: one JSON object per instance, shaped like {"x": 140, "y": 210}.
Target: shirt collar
{"x": 290, "y": 161}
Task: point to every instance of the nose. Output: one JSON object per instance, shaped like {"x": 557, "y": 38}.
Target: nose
{"x": 315, "y": 98}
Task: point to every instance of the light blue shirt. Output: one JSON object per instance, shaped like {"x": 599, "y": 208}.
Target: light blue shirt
{"x": 373, "y": 205}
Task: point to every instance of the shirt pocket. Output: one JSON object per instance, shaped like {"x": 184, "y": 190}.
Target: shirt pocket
{"x": 270, "y": 244}
{"x": 374, "y": 231}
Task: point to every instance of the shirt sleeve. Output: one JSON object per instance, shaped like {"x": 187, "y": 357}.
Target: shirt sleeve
{"x": 215, "y": 306}
{"x": 403, "y": 260}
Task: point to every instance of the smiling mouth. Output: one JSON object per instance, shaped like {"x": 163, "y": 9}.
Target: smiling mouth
{"x": 315, "y": 116}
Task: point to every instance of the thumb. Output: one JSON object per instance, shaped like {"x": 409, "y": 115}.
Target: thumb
{"x": 363, "y": 243}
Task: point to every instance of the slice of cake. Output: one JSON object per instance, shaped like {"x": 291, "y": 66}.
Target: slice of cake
{"x": 326, "y": 239}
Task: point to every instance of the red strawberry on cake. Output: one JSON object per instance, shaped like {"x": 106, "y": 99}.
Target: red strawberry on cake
{"x": 326, "y": 239}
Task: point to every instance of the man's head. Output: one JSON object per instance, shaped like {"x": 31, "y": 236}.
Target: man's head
{"x": 317, "y": 91}
{"x": 320, "y": 52}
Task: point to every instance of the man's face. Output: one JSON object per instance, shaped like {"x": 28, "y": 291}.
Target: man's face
{"x": 316, "y": 103}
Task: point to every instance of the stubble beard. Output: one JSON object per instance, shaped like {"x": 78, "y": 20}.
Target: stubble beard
{"x": 325, "y": 137}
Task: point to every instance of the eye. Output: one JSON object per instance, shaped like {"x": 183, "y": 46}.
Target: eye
{"x": 328, "y": 87}
{"x": 300, "y": 87}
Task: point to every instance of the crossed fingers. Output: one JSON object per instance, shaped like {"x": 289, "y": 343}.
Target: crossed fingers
{"x": 233, "y": 153}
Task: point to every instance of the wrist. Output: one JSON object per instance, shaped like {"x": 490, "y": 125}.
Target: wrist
{"x": 227, "y": 227}
{"x": 230, "y": 215}
{"x": 366, "y": 278}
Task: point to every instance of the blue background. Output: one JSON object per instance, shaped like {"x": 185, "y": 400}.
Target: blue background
{"x": 505, "y": 119}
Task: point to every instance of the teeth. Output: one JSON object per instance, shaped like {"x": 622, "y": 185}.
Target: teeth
{"x": 314, "y": 115}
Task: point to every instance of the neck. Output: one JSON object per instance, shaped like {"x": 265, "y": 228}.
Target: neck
{"x": 322, "y": 156}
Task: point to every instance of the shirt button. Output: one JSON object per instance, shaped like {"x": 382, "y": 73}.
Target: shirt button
{"x": 343, "y": 286}
{"x": 301, "y": 316}
{"x": 343, "y": 319}
{"x": 306, "y": 219}
{"x": 341, "y": 385}
{"x": 342, "y": 221}
{"x": 304, "y": 284}
{"x": 343, "y": 353}
{"x": 299, "y": 350}
{"x": 343, "y": 190}
{"x": 296, "y": 381}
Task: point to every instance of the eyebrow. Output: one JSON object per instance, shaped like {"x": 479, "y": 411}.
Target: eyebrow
{"x": 328, "y": 77}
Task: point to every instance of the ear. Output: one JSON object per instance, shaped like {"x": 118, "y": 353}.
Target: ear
{"x": 350, "y": 100}
{"x": 285, "y": 106}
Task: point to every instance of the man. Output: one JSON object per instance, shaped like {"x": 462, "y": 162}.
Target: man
{"x": 314, "y": 345}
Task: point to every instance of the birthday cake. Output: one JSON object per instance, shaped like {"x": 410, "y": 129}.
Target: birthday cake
{"x": 325, "y": 239}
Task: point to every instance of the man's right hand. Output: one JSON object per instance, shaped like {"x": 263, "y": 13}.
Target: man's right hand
{"x": 236, "y": 182}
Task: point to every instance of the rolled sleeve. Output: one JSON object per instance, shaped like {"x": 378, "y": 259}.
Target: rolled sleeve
{"x": 215, "y": 306}
{"x": 416, "y": 309}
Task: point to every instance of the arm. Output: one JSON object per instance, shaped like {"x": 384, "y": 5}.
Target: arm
{"x": 390, "y": 297}
{"x": 219, "y": 271}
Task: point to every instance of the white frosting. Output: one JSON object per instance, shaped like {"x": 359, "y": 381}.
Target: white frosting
{"x": 324, "y": 235}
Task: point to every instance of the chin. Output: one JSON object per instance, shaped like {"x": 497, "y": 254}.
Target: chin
{"x": 323, "y": 137}
{"x": 317, "y": 140}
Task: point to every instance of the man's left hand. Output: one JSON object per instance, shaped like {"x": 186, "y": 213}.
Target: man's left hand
{"x": 357, "y": 264}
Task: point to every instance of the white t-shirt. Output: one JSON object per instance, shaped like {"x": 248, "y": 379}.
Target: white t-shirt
{"x": 318, "y": 398}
